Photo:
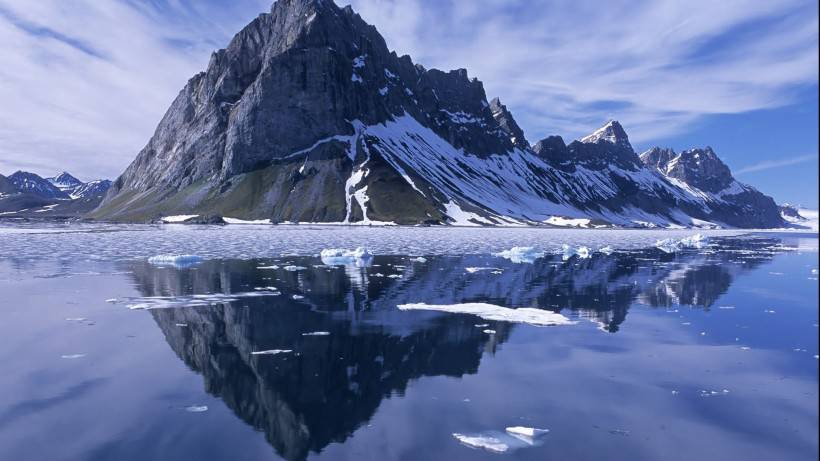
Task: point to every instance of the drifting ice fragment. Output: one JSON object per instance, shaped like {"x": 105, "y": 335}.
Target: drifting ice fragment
{"x": 489, "y": 332}
{"x": 294, "y": 268}
{"x": 317, "y": 333}
{"x": 485, "y": 442}
{"x": 521, "y": 254}
{"x": 273, "y": 267}
{"x": 297, "y": 297}
{"x": 532, "y": 316}
{"x": 672, "y": 245}
{"x": 178, "y": 261}
{"x": 196, "y": 408}
{"x": 582, "y": 252}
{"x": 359, "y": 257}
{"x": 419, "y": 260}
{"x": 526, "y": 431}
{"x": 272, "y": 352}
{"x": 72, "y": 356}
{"x": 607, "y": 250}
{"x": 473, "y": 270}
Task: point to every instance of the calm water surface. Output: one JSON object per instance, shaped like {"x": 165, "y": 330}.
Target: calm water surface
{"x": 707, "y": 353}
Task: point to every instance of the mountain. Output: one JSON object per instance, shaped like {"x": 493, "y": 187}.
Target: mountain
{"x": 26, "y": 194}
{"x": 31, "y": 183}
{"x": 6, "y": 186}
{"x": 306, "y": 116}
{"x": 704, "y": 174}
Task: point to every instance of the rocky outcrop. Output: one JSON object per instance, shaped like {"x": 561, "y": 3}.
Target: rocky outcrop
{"x": 508, "y": 124}
{"x": 730, "y": 201}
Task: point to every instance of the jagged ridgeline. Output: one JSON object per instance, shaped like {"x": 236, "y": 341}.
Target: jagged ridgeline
{"x": 307, "y": 116}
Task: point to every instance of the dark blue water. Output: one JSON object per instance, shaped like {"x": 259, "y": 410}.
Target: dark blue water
{"x": 703, "y": 354}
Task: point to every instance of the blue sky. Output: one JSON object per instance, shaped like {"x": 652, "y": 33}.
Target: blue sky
{"x": 85, "y": 82}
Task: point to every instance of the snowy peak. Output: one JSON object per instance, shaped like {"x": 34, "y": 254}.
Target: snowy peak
{"x": 700, "y": 168}
{"x": 65, "y": 181}
{"x": 611, "y": 132}
{"x": 34, "y": 184}
{"x": 507, "y": 123}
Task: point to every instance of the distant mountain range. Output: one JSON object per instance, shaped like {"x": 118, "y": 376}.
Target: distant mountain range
{"x": 26, "y": 194}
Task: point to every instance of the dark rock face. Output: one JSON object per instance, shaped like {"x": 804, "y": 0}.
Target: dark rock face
{"x": 790, "y": 211}
{"x": 732, "y": 202}
{"x": 31, "y": 183}
{"x": 306, "y": 116}
{"x": 6, "y": 186}
{"x": 507, "y": 123}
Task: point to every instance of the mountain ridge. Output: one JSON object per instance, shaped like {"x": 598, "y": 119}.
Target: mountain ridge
{"x": 307, "y": 116}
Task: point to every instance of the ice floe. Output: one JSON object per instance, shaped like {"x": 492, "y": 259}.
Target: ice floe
{"x": 179, "y": 261}
{"x": 72, "y": 356}
{"x": 292, "y": 268}
{"x": 196, "y": 408}
{"x": 671, "y": 245}
{"x": 340, "y": 257}
{"x": 481, "y": 441}
{"x": 473, "y": 270}
{"x": 272, "y": 352}
{"x": 581, "y": 251}
{"x": 520, "y": 254}
{"x": 317, "y": 333}
{"x": 529, "y": 315}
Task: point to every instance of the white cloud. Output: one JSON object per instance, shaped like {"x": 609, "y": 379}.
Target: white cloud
{"x": 87, "y": 95}
{"x": 770, "y": 164}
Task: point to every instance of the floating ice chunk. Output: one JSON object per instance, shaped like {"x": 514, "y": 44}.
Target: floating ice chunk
{"x": 182, "y": 325}
{"x": 419, "y": 259}
{"x": 196, "y": 408}
{"x": 297, "y": 297}
{"x": 607, "y": 250}
{"x": 671, "y": 245}
{"x": 273, "y": 267}
{"x": 111, "y": 300}
{"x": 581, "y": 251}
{"x": 745, "y": 348}
{"x": 317, "y": 333}
{"x": 726, "y": 307}
{"x": 480, "y": 441}
{"x": 161, "y": 302}
{"x": 359, "y": 257}
{"x": 529, "y": 315}
{"x": 179, "y": 261}
{"x": 272, "y": 352}
{"x": 482, "y": 325}
{"x": 489, "y": 332}
{"x": 75, "y": 319}
{"x": 520, "y": 254}
{"x": 294, "y": 268}
{"x": 473, "y": 270}
{"x": 526, "y": 431}
{"x": 709, "y": 393}
{"x": 72, "y": 356}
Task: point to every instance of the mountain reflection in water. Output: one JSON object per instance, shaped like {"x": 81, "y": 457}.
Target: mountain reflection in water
{"x": 332, "y": 384}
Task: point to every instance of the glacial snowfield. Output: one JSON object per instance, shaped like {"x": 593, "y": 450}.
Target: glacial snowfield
{"x": 119, "y": 242}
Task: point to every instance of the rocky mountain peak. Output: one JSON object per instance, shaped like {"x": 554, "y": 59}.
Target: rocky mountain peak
{"x": 64, "y": 180}
{"x": 658, "y": 157}
{"x": 611, "y": 132}
{"x": 508, "y": 124}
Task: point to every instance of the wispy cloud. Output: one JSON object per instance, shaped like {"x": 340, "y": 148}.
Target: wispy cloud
{"x": 771, "y": 164}
{"x": 85, "y": 82}
{"x": 657, "y": 66}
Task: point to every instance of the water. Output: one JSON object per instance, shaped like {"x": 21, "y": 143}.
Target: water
{"x": 706, "y": 353}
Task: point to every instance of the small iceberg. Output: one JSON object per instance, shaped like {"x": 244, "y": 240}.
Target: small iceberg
{"x": 528, "y": 315}
{"x": 196, "y": 408}
{"x": 526, "y": 431}
{"x": 581, "y": 251}
{"x": 317, "y": 333}
{"x": 272, "y": 352}
{"x": 292, "y": 268}
{"x": 671, "y": 245}
{"x": 359, "y": 257}
{"x": 607, "y": 250}
{"x": 178, "y": 261}
{"x": 473, "y": 270}
{"x": 520, "y": 255}
{"x": 481, "y": 441}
